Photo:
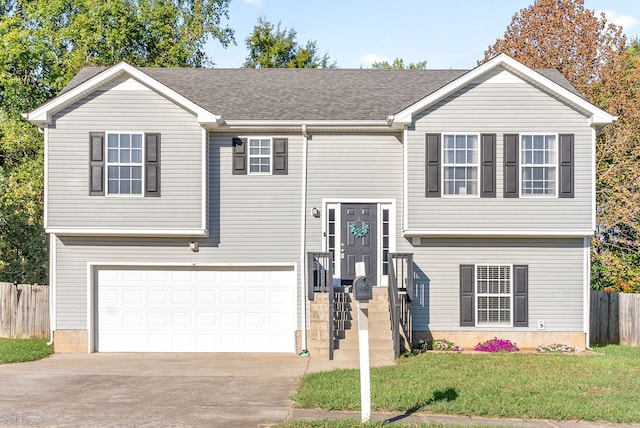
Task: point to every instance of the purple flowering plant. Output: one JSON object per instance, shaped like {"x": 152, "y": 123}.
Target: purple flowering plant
{"x": 496, "y": 345}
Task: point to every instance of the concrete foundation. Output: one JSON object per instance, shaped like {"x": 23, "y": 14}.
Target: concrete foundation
{"x": 525, "y": 340}
{"x": 71, "y": 341}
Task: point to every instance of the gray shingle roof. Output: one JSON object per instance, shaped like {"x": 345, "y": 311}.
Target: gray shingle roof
{"x": 303, "y": 94}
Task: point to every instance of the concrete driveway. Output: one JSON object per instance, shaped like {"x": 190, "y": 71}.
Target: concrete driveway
{"x": 149, "y": 390}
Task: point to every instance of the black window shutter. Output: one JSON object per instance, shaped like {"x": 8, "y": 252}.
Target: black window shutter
{"x": 280, "y": 155}
{"x": 152, "y": 164}
{"x": 511, "y": 167}
{"x": 521, "y": 296}
{"x": 488, "y": 165}
{"x": 239, "y": 156}
{"x": 566, "y": 180}
{"x": 467, "y": 295}
{"x": 433, "y": 166}
{"x": 96, "y": 164}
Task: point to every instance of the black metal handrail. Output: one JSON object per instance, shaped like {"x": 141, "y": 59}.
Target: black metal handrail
{"x": 320, "y": 273}
{"x": 400, "y": 294}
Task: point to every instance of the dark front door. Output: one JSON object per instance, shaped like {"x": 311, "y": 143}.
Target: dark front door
{"x": 359, "y": 232}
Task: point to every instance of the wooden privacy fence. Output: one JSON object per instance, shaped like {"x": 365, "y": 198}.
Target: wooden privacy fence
{"x": 24, "y": 311}
{"x": 615, "y": 318}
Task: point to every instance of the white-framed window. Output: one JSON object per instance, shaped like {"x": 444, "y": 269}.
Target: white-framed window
{"x": 538, "y": 164}
{"x": 460, "y": 164}
{"x": 124, "y": 163}
{"x": 260, "y": 151}
{"x": 494, "y": 294}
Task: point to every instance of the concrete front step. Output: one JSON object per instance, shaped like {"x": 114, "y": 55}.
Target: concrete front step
{"x": 382, "y": 325}
{"x": 379, "y": 344}
{"x": 322, "y": 336}
{"x": 347, "y": 347}
{"x": 376, "y": 358}
{"x": 373, "y": 334}
{"x": 354, "y": 355}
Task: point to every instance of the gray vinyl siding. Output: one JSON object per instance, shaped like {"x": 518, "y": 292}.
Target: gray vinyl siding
{"x": 500, "y": 103}
{"x": 348, "y": 168}
{"x": 253, "y": 220}
{"x": 556, "y": 272}
{"x": 257, "y": 215}
{"x": 124, "y": 110}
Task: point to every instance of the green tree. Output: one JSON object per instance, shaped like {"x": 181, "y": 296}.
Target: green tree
{"x": 561, "y": 34}
{"x": 272, "y": 47}
{"x": 44, "y": 44}
{"x": 594, "y": 56}
{"x": 617, "y": 242}
{"x": 398, "y": 64}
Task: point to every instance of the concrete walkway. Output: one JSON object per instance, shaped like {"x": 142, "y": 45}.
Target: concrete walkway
{"x": 149, "y": 390}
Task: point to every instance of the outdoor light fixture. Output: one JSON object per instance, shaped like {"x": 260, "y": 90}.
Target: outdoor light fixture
{"x": 193, "y": 246}
{"x": 315, "y": 212}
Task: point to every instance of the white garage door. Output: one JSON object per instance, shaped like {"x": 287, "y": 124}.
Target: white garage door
{"x": 186, "y": 310}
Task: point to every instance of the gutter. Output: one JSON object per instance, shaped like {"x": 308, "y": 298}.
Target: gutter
{"x": 586, "y": 316}
{"x": 497, "y": 233}
{"x": 304, "y": 124}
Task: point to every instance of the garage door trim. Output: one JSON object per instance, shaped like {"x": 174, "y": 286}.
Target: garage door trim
{"x": 94, "y": 267}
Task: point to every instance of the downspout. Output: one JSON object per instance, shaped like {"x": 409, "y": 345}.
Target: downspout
{"x": 587, "y": 293}
{"x": 52, "y": 286}
{"x": 53, "y": 240}
{"x": 303, "y": 241}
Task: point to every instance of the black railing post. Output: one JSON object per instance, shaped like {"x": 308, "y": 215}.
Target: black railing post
{"x": 332, "y": 320}
{"x": 401, "y": 272}
{"x": 319, "y": 273}
{"x": 312, "y": 268}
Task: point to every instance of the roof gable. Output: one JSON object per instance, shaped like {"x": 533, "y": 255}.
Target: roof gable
{"x": 43, "y": 114}
{"x": 565, "y": 93}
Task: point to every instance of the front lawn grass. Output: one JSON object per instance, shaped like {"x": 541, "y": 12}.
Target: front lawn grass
{"x": 600, "y": 386}
{"x": 21, "y": 350}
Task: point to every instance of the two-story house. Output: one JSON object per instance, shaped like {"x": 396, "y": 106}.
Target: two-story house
{"x": 181, "y": 203}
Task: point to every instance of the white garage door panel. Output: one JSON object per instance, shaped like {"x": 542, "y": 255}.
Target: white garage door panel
{"x": 195, "y": 311}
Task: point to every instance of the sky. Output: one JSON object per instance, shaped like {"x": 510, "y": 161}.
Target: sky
{"x": 354, "y": 33}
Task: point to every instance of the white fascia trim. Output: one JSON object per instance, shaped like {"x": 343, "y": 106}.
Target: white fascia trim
{"x": 127, "y": 232}
{"x": 307, "y": 123}
{"x": 405, "y": 179}
{"x": 204, "y": 186}
{"x": 498, "y": 233}
{"x": 594, "y": 134}
{"x": 92, "y": 308}
{"x": 598, "y": 117}
{"x": 46, "y": 178}
{"x": 343, "y": 200}
{"x": 43, "y": 114}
